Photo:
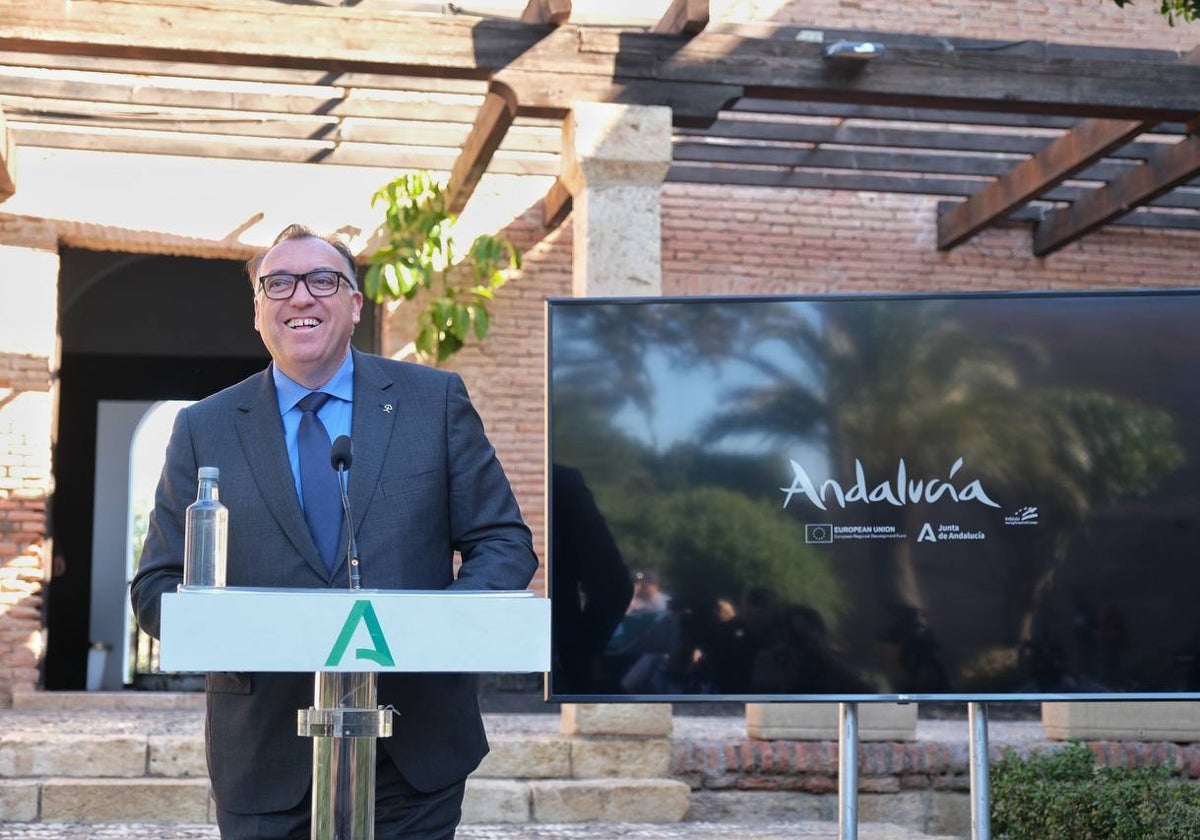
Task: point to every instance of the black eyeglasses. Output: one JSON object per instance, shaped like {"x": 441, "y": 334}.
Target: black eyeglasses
{"x": 321, "y": 283}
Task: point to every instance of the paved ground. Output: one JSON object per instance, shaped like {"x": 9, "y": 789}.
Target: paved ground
{"x": 58, "y": 717}
{"x": 700, "y": 727}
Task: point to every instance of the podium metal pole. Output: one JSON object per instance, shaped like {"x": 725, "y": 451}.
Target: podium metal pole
{"x": 981, "y": 797}
{"x": 344, "y": 722}
{"x": 848, "y": 771}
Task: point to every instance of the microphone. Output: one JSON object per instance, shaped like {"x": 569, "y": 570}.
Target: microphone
{"x": 341, "y": 456}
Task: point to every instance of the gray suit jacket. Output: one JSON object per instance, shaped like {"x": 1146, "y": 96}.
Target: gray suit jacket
{"x": 425, "y": 482}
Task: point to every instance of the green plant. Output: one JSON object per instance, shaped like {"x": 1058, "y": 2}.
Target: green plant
{"x": 420, "y": 256}
{"x": 1064, "y": 795}
{"x": 1172, "y": 10}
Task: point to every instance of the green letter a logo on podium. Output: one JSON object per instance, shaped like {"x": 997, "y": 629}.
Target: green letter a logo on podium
{"x": 363, "y": 612}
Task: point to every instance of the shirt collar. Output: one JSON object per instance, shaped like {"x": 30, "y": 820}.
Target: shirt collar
{"x": 289, "y": 392}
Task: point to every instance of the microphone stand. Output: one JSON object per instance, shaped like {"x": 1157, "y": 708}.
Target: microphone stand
{"x": 344, "y": 722}
{"x": 352, "y": 544}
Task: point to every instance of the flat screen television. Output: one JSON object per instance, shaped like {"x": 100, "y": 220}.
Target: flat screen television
{"x": 905, "y": 497}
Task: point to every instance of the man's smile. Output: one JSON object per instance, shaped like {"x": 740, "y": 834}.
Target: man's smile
{"x": 300, "y": 323}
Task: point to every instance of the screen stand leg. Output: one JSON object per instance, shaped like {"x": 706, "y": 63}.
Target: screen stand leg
{"x": 981, "y": 800}
{"x": 344, "y": 722}
{"x": 847, "y": 771}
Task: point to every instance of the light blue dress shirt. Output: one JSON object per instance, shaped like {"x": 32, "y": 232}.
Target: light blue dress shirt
{"x": 335, "y": 414}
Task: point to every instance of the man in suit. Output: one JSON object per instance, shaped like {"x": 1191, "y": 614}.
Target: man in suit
{"x": 425, "y": 483}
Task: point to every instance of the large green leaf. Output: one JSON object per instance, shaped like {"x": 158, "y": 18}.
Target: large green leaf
{"x": 420, "y": 255}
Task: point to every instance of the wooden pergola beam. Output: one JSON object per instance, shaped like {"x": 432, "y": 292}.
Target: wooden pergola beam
{"x": 556, "y": 204}
{"x": 1142, "y": 183}
{"x": 550, "y": 94}
{"x": 1030, "y": 215}
{"x": 8, "y": 182}
{"x": 1063, "y": 157}
{"x": 898, "y": 136}
{"x": 589, "y": 61}
{"x": 328, "y": 101}
{"x": 888, "y": 182}
{"x": 553, "y": 12}
{"x": 920, "y": 162}
{"x": 248, "y": 34}
{"x": 683, "y": 17}
{"x": 491, "y": 124}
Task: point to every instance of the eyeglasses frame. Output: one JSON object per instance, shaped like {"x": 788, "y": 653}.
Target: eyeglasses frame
{"x": 303, "y": 278}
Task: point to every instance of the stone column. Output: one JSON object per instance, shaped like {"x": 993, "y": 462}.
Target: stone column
{"x": 615, "y": 158}
{"x": 819, "y": 721}
{"x": 28, "y": 355}
{"x": 1128, "y": 720}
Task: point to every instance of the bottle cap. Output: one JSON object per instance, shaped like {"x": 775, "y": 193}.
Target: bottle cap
{"x": 208, "y": 472}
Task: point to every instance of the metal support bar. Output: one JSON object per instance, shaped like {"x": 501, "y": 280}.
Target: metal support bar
{"x": 981, "y": 799}
{"x": 847, "y": 771}
{"x": 344, "y": 722}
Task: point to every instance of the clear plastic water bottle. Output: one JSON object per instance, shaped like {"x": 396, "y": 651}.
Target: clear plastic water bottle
{"x": 206, "y": 533}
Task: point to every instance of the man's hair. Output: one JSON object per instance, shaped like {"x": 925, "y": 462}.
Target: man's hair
{"x": 301, "y": 232}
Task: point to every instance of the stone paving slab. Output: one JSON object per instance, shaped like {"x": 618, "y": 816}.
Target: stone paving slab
{"x": 189, "y": 721}
{"x": 625, "y": 831}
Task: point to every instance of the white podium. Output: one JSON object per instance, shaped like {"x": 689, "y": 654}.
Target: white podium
{"x": 347, "y": 637}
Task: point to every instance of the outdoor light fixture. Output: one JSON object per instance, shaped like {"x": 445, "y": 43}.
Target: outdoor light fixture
{"x": 852, "y": 51}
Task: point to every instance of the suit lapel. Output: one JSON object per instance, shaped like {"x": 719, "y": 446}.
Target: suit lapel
{"x": 374, "y": 417}
{"x": 260, "y": 431}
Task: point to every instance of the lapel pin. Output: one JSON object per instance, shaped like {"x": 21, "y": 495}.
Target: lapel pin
{"x": 387, "y": 409}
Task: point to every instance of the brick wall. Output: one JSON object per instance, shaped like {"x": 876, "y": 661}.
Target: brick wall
{"x": 1092, "y": 22}
{"x": 765, "y": 241}
{"x": 768, "y": 241}
{"x": 28, "y": 287}
{"x": 885, "y": 766}
{"x": 24, "y": 478}
{"x": 504, "y": 373}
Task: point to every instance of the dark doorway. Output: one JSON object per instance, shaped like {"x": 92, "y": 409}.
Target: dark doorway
{"x": 132, "y": 328}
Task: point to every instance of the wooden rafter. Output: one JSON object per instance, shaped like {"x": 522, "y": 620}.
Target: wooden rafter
{"x": 206, "y": 72}
{"x": 879, "y": 160}
{"x": 326, "y": 100}
{"x": 556, "y": 205}
{"x": 1065, "y": 156}
{"x": 590, "y": 61}
{"x": 550, "y": 95}
{"x": 553, "y": 12}
{"x": 683, "y": 17}
{"x": 1091, "y": 140}
{"x": 1143, "y": 183}
{"x": 887, "y": 182}
{"x": 8, "y": 184}
{"x": 1142, "y": 218}
{"x": 345, "y": 99}
{"x": 897, "y": 136}
{"x": 491, "y": 124}
{"x": 335, "y": 39}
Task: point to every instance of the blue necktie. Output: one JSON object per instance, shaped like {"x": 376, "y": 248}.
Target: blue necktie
{"x": 318, "y": 480}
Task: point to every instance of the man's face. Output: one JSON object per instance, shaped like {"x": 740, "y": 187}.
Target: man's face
{"x": 308, "y": 337}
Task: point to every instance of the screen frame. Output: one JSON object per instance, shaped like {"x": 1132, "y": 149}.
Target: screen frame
{"x": 555, "y": 303}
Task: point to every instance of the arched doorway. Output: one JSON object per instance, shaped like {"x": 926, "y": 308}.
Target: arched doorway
{"x": 135, "y": 329}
